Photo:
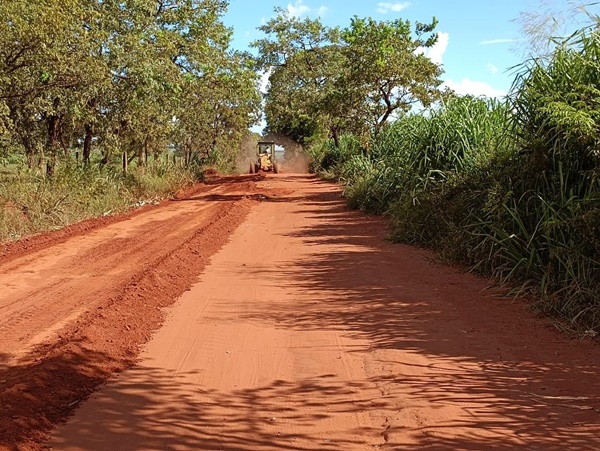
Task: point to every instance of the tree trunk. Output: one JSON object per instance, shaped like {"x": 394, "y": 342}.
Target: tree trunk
{"x": 52, "y": 143}
{"x": 66, "y": 146}
{"x": 105, "y": 157}
{"x": 140, "y": 156}
{"x": 41, "y": 159}
{"x": 29, "y": 153}
{"x": 336, "y": 137}
{"x": 87, "y": 144}
{"x": 53, "y": 123}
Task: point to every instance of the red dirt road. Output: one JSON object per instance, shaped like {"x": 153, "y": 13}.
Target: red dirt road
{"x": 301, "y": 328}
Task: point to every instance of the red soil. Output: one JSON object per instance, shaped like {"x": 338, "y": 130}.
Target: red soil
{"x": 296, "y": 326}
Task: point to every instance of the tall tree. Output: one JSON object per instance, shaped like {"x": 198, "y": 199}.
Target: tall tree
{"x": 118, "y": 73}
{"x": 47, "y": 54}
{"x": 387, "y": 70}
{"x": 219, "y": 108}
{"x": 303, "y": 59}
{"x": 335, "y": 80}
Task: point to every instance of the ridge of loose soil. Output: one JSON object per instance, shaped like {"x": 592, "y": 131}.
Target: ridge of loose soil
{"x": 10, "y": 250}
{"x": 45, "y": 386}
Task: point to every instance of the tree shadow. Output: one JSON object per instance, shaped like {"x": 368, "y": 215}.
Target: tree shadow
{"x": 441, "y": 338}
{"x": 235, "y": 179}
{"x": 37, "y": 394}
{"x": 261, "y": 197}
{"x": 156, "y": 408}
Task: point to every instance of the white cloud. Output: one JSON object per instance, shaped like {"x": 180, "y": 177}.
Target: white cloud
{"x": 299, "y": 9}
{"x": 396, "y": 7}
{"x": 493, "y": 69}
{"x": 322, "y": 11}
{"x": 497, "y": 41}
{"x": 475, "y": 88}
{"x": 264, "y": 81}
{"x": 436, "y": 52}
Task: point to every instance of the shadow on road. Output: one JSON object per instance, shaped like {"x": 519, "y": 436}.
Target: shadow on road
{"x": 153, "y": 410}
{"x": 443, "y": 339}
{"x": 261, "y": 197}
{"x": 440, "y": 341}
{"x": 36, "y": 395}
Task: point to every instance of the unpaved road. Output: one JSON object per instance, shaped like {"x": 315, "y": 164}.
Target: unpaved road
{"x": 291, "y": 323}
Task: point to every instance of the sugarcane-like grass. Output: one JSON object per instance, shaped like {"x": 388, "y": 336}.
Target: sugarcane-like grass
{"x": 510, "y": 188}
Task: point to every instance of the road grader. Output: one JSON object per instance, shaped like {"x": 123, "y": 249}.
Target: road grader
{"x": 265, "y": 160}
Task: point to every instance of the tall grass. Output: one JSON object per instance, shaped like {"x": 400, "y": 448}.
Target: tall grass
{"x": 511, "y": 188}
{"x": 328, "y": 160}
{"x": 555, "y": 210}
{"x": 417, "y": 153}
{"x": 30, "y": 203}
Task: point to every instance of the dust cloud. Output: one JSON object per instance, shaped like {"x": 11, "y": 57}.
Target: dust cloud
{"x": 299, "y": 163}
{"x": 290, "y": 155}
{"x": 247, "y": 153}
{"x": 294, "y": 157}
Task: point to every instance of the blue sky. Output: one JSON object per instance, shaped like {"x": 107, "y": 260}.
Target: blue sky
{"x": 478, "y": 40}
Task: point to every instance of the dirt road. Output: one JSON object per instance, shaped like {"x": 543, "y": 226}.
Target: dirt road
{"x": 295, "y": 325}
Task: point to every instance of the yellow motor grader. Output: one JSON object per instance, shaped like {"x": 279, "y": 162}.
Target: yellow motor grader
{"x": 265, "y": 158}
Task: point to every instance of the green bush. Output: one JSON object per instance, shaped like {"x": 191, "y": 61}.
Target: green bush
{"x": 328, "y": 159}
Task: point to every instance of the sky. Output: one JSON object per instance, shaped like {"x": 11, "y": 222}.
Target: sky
{"x": 480, "y": 42}
{"x": 477, "y": 39}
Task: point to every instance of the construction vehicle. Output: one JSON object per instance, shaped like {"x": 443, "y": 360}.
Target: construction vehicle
{"x": 265, "y": 160}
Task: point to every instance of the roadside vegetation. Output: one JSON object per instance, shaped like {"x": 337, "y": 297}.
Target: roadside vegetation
{"x": 510, "y": 188}
{"x": 105, "y": 104}
{"x": 33, "y": 203}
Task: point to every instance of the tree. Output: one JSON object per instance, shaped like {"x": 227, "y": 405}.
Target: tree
{"x": 387, "y": 71}
{"x": 122, "y": 74}
{"x": 344, "y": 80}
{"x": 219, "y": 108}
{"x": 303, "y": 59}
{"x": 47, "y": 53}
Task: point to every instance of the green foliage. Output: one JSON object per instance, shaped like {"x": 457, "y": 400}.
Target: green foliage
{"x": 387, "y": 72}
{"x": 512, "y": 189}
{"x": 352, "y": 80}
{"x": 303, "y": 61}
{"x": 137, "y": 77}
{"x": 417, "y": 152}
{"x": 557, "y": 109}
{"x": 328, "y": 157}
